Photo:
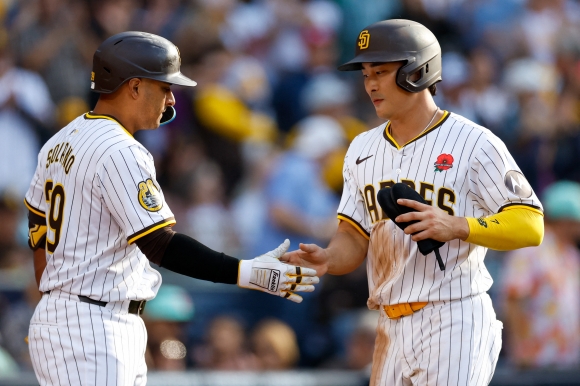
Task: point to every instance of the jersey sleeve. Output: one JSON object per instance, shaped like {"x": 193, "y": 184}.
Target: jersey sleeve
{"x": 352, "y": 207}
{"x": 497, "y": 182}
{"x": 132, "y": 194}
{"x": 34, "y": 199}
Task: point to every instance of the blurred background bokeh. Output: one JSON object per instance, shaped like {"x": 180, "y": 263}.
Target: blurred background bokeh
{"x": 255, "y": 156}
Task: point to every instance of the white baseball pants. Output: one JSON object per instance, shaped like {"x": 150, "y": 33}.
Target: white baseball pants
{"x": 445, "y": 343}
{"x": 74, "y": 343}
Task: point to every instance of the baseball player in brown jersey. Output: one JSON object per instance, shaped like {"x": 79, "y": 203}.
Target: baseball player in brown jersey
{"x": 437, "y": 327}
{"x": 98, "y": 217}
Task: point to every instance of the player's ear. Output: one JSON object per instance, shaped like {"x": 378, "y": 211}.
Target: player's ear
{"x": 134, "y": 84}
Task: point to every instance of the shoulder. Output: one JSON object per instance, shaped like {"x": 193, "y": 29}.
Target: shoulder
{"x": 369, "y": 136}
{"x": 106, "y": 139}
{"x": 483, "y": 137}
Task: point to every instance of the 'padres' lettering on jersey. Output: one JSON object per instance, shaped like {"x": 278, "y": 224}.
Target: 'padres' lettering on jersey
{"x": 460, "y": 167}
{"x": 96, "y": 186}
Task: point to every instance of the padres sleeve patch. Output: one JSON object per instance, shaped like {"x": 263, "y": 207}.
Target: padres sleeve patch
{"x": 516, "y": 183}
{"x": 149, "y": 196}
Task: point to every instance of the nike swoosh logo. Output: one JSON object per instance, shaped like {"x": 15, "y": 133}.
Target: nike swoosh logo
{"x": 358, "y": 160}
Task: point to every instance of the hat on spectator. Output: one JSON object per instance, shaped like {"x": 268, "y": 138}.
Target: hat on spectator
{"x": 318, "y": 135}
{"x": 172, "y": 303}
{"x": 529, "y": 75}
{"x": 561, "y": 200}
{"x": 325, "y": 91}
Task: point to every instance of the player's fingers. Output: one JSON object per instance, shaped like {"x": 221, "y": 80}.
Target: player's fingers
{"x": 281, "y": 250}
{"x": 289, "y": 257}
{"x": 413, "y": 204}
{"x": 300, "y": 271}
{"x": 309, "y": 248}
{"x": 414, "y": 228}
{"x": 302, "y": 279}
{"x": 291, "y": 296}
{"x": 411, "y": 216}
{"x": 297, "y": 287}
{"x": 421, "y": 236}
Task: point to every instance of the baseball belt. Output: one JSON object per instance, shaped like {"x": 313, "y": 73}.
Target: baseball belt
{"x": 136, "y": 307}
{"x": 396, "y": 311}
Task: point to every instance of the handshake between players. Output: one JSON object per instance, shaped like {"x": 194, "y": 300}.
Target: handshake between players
{"x": 268, "y": 274}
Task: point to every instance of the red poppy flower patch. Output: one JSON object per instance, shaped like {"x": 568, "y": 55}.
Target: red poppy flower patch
{"x": 444, "y": 162}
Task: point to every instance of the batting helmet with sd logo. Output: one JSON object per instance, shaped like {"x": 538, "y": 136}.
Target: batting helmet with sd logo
{"x": 400, "y": 40}
{"x": 135, "y": 54}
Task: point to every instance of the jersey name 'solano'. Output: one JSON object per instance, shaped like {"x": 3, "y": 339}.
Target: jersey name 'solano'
{"x": 459, "y": 166}
{"x": 96, "y": 186}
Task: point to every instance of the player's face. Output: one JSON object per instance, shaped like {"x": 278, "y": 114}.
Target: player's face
{"x": 157, "y": 97}
{"x": 380, "y": 85}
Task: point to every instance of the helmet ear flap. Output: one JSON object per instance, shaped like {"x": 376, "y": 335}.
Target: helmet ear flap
{"x": 430, "y": 73}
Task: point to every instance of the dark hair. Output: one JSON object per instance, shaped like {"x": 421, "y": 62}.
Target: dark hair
{"x": 433, "y": 89}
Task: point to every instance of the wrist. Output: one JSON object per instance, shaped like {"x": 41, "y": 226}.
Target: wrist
{"x": 461, "y": 228}
{"x": 244, "y": 272}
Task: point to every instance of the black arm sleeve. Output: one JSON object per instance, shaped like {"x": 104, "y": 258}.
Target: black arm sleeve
{"x": 189, "y": 257}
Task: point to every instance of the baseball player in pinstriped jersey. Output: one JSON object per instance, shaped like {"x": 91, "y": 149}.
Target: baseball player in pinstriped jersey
{"x": 437, "y": 327}
{"x": 97, "y": 217}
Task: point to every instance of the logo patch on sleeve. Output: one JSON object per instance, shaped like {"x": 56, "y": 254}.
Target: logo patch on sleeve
{"x": 149, "y": 196}
{"x": 517, "y": 184}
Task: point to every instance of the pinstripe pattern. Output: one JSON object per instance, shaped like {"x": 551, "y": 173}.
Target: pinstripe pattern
{"x": 397, "y": 272}
{"x": 446, "y": 343}
{"x": 110, "y": 200}
{"x": 461, "y": 327}
{"x": 102, "y": 211}
{"x": 74, "y": 343}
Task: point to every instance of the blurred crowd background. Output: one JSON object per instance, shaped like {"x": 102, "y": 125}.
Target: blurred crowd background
{"x": 255, "y": 156}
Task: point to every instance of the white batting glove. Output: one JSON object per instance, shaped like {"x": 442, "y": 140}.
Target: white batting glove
{"x": 268, "y": 274}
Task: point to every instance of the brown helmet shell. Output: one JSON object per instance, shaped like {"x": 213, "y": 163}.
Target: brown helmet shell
{"x": 400, "y": 40}
{"x": 135, "y": 54}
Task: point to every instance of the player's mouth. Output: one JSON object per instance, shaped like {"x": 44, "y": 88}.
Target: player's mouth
{"x": 377, "y": 101}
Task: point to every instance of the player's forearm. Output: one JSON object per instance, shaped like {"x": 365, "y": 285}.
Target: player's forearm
{"x": 347, "y": 250}
{"x": 186, "y": 256}
{"x": 510, "y": 229}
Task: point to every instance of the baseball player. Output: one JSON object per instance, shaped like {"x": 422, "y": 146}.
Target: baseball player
{"x": 436, "y": 327}
{"x": 98, "y": 217}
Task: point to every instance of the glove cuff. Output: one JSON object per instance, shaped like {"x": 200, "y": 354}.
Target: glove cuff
{"x": 244, "y": 273}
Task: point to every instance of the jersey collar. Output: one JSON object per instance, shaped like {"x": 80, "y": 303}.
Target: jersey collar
{"x": 392, "y": 141}
{"x": 90, "y": 115}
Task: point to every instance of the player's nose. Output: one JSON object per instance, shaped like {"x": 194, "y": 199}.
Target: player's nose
{"x": 371, "y": 85}
{"x": 170, "y": 99}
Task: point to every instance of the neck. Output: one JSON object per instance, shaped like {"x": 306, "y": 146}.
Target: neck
{"x": 408, "y": 123}
{"x": 114, "y": 108}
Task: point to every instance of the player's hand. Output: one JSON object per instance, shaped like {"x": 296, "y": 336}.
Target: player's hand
{"x": 309, "y": 255}
{"x": 268, "y": 274}
{"x": 434, "y": 223}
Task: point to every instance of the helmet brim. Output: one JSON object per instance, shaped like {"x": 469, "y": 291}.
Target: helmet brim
{"x": 372, "y": 57}
{"x": 181, "y": 80}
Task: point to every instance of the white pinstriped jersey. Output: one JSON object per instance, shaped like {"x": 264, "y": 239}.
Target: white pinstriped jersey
{"x": 96, "y": 186}
{"x": 457, "y": 165}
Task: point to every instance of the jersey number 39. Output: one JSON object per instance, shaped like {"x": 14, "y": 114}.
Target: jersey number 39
{"x": 55, "y": 198}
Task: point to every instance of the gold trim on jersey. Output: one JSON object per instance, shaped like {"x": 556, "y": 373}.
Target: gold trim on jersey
{"x": 34, "y": 210}
{"x": 529, "y": 207}
{"x": 89, "y": 115}
{"x": 356, "y": 225}
{"x": 150, "y": 229}
{"x": 392, "y": 141}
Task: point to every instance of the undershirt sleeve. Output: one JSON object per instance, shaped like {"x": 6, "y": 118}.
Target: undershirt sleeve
{"x": 182, "y": 254}
{"x": 515, "y": 227}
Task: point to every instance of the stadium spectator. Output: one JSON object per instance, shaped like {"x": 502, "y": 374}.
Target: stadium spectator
{"x": 541, "y": 288}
